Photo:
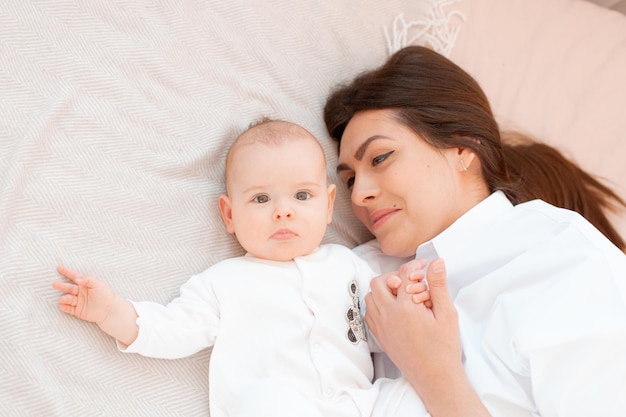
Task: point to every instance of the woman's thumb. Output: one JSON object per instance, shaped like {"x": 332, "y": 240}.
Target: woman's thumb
{"x": 438, "y": 285}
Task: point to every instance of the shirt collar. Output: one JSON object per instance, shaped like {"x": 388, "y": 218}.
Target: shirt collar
{"x": 454, "y": 242}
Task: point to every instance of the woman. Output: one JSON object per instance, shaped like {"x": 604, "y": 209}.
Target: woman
{"x": 536, "y": 293}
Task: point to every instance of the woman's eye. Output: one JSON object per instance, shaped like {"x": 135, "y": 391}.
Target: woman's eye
{"x": 302, "y": 195}
{"x": 381, "y": 158}
{"x": 263, "y": 198}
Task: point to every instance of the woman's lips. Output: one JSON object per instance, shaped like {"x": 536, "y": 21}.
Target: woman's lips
{"x": 380, "y": 216}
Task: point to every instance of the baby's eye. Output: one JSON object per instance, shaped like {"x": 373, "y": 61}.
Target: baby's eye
{"x": 302, "y": 195}
{"x": 263, "y": 198}
{"x": 350, "y": 183}
{"x": 381, "y": 158}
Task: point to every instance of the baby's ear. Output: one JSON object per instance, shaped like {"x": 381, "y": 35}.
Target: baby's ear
{"x": 332, "y": 192}
{"x": 227, "y": 212}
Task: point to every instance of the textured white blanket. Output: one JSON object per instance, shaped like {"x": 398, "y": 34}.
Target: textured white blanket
{"x": 115, "y": 118}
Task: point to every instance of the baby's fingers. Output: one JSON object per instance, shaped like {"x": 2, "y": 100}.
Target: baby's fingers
{"x": 423, "y": 297}
{"x": 419, "y": 293}
{"x": 413, "y": 270}
{"x": 68, "y": 300}
{"x": 67, "y": 304}
{"x": 67, "y": 309}
{"x": 70, "y": 274}
{"x": 416, "y": 287}
{"x": 65, "y": 287}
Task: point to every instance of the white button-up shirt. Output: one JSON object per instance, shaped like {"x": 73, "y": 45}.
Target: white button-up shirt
{"x": 276, "y": 328}
{"x": 541, "y": 297}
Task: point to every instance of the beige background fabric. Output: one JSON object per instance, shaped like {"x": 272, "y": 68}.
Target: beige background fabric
{"x": 618, "y": 5}
{"x": 115, "y": 118}
{"x": 555, "y": 70}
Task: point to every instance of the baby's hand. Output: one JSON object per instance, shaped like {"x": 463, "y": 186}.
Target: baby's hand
{"x": 413, "y": 274}
{"x": 85, "y": 297}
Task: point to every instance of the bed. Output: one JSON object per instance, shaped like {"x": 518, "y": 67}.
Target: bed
{"x": 115, "y": 118}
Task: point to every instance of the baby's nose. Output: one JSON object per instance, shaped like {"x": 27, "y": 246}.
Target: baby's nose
{"x": 283, "y": 213}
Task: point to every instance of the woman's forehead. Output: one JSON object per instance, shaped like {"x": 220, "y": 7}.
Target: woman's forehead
{"x": 370, "y": 127}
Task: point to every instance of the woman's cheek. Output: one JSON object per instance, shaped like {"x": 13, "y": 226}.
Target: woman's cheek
{"x": 362, "y": 214}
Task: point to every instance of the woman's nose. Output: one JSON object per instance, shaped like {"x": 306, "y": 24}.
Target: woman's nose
{"x": 363, "y": 191}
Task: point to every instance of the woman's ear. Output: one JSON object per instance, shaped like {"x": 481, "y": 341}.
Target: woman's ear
{"x": 227, "y": 212}
{"x": 332, "y": 192}
{"x": 466, "y": 158}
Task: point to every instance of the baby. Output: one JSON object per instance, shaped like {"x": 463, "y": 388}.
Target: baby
{"x": 284, "y": 320}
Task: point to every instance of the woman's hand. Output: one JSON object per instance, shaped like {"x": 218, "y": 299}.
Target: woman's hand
{"x": 414, "y": 271}
{"x": 412, "y": 334}
{"x": 423, "y": 341}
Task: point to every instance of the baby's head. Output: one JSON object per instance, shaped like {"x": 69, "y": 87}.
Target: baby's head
{"x": 278, "y": 201}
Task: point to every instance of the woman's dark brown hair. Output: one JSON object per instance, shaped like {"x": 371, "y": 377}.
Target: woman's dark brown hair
{"x": 445, "y": 106}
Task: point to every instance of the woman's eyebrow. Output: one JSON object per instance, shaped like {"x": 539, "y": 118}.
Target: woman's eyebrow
{"x": 342, "y": 167}
{"x": 358, "y": 155}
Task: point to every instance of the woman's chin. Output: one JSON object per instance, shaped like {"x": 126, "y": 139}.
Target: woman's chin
{"x": 391, "y": 247}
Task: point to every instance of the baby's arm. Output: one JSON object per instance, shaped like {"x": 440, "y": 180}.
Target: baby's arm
{"x": 92, "y": 300}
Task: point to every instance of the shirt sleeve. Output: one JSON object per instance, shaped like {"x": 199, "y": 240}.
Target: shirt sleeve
{"x": 186, "y": 325}
{"x": 582, "y": 378}
{"x": 574, "y": 342}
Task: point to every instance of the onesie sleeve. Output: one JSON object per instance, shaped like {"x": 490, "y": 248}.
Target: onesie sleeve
{"x": 186, "y": 325}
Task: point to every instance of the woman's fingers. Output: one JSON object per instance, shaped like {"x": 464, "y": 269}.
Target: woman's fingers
{"x": 371, "y": 313}
{"x": 438, "y": 288}
{"x": 377, "y": 301}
